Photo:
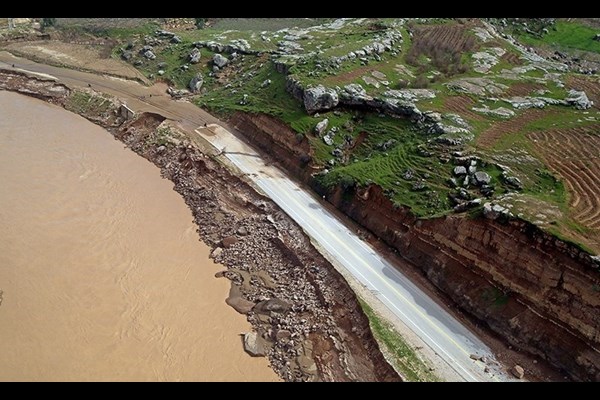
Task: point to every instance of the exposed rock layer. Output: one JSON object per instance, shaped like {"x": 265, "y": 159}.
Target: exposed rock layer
{"x": 540, "y": 293}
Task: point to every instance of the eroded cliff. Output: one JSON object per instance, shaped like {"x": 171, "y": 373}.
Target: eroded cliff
{"x": 538, "y": 292}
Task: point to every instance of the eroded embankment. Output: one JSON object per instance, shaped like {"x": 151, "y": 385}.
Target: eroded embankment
{"x": 308, "y": 320}
{"x": 538, "y": 292}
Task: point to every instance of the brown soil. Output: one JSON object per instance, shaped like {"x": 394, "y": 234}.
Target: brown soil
{"x": 452, "y": 36}
{"x": 350, "y": 75}
{"x": 511, "y": 58}
{"x": 572, "y": 153}
{"x": 523, "y": 89}
{"x": 462, "y": 105}
{"x": 488, "y": 138}
{"x": 80, "y": 53}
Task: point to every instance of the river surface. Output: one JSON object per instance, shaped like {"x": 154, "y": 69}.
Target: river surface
{"x": 102, "y": 274}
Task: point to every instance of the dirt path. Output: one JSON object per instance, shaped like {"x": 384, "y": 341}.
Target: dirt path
{"x": 88, "y": 57}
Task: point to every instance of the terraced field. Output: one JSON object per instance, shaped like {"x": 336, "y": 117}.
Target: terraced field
{"x": 523, "y": 89}
{"x": 443, "y": 44}
{"x": 462, "y": 105}
{"x": 573, "y": 154}
{"x": 490, "y": 136}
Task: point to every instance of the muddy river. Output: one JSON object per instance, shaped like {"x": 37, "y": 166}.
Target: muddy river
{"x": 101, "y": 271}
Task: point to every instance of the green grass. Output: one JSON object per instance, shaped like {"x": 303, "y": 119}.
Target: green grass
{"x": 373, "y": 165}
{"x": 560, "y": 235}
{"x": 404, "y": 357}
{"x": 568, "y": 35}
{"x": 272, "y": 99}
{"x": 175, "y": 56}
{"x": 85, "y": 103}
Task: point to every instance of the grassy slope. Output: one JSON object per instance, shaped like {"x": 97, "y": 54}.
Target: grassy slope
{"x": 568, "y": 35}
{"x": 367, "y": 163}
{"x": 402, "y": 356}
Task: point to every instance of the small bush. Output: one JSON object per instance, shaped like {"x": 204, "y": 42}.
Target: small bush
{"x": 422, "y": 82}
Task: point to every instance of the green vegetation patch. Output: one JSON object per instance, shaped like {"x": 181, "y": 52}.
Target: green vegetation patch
{"x": 403, "y": 357}
{"x": 85, "y": 103}
{"x": 566, "y": 35}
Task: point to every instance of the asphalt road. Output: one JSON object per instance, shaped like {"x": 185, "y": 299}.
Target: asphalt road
{"x": 446, "y": 336}
{"x": 443, "y": 333}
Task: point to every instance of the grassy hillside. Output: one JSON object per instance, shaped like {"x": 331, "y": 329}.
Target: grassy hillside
{"x": 493, "y": 98}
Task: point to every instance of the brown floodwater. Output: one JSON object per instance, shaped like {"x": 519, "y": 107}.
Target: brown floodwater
{"x": 102, "y": 274}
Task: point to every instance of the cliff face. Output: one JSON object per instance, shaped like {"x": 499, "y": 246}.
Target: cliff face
{"x": 278, "y": 140}
{"x": 537, "y": 291}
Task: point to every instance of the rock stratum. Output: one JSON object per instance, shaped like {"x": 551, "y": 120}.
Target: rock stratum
{"x": 540, "y": 293}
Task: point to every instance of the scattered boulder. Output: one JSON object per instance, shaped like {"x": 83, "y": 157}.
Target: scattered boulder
{"x": 521, "y": 103}
{"x": 493, "y": 211}
{"x": 216, "y": 252}
{"x": 319, "y": 98}
{"x": 219, "y": 60}
{"x": 176, "y": 94}
{"x": 266, "y": 83}
{"x": 194, "y": 56}
{"x": 512, "y": 181}
{"x": 411, "y": 94}
{"x": 272, "y": 306}
{"x": 196, "y": 83}
{"x": 255, "y": 345}
{"x": 337, "y": 153}
{"x": 464, "y": 206}
{"x": 579, "y": 100}
{"x": 477, "y": 86}
{"x": 175, "y": 39}
{"x": 460, "y": 170}
{"x": 518, "y": 371}
{"x": 385, "y": 146}
{"x": 321, "y": 126}
{"x": 242, "y": 231}
{"x": 501, "y": 112}
{"x": 481, "y": 178}
{"x": 149, "y": 55}
{"x": 289, "y": 47}
{"x": 306, "y": 364}
{"x": 126, "y": 55}
{"x": 328, "y": 140}
{"x": 597, "y": 37}
{"x": 229, "y": 241}
{"x": 164, "y": 33}
{"x": 237, "y": 302}
{"x": 354, "y": 94}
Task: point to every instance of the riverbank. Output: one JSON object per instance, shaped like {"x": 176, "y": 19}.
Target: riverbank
{"x": 94, "y": 288}
{"x": 307, "y": 319}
